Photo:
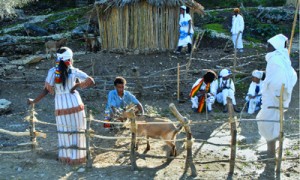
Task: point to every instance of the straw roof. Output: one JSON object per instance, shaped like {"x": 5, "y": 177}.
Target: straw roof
{"x": 120, "y": 3}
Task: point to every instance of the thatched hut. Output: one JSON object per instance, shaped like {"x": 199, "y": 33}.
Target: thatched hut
{"x": 141, "y": 24}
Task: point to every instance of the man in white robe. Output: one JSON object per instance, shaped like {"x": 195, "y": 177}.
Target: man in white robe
{"x": 226, "y": 89}
{"x": 237, "y": 27}
{"x": 278, "y": 72}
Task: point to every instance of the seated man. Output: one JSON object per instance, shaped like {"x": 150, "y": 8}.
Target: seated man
{"x": 253, "y": 97}
{"x": 205, "y": 85}
{"x": 226, "y": 89}
{"x": 120, "y": 98}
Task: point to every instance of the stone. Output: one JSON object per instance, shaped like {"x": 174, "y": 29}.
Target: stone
{"x": 81, "y": 170}
{"x": 4, "y": 60}
{"x": 4, "y": 106}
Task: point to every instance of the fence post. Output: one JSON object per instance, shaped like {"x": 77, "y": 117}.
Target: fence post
{"x": 139, "y": 86}
{"x": 87, "y": 136}
{"x": 278, "y": 164}
{"x": 32, "y": 128}
{"x": 233, "y": 133}
{"x": 133, "y": 144}
{"x": 235, "y": 58}
{"x": 178, "y": 82}
{"x": 189, "y": 155}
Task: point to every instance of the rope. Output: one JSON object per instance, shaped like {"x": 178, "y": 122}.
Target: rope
{"x": 15, "y": 152}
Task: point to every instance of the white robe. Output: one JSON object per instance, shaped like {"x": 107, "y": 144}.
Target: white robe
{"x": 279, "y": 71}
{"x": 254, "y": 102}
{"x": 227, "y": 92}
{"x": 184, "y": 38}
{"x": 237, "y": 26}
{"x": 212, "y": 95}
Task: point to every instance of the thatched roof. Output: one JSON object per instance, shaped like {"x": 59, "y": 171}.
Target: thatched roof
{"x": 120, "y": 3}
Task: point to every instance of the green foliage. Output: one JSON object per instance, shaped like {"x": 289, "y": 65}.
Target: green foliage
{"x": 235, "y": 3}
{"x": 216, "y": 27}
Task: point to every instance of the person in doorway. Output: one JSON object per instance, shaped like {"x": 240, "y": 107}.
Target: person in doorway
{"x": 120, "y": 98}
{"x": 278, "y": 72}
{"x": 186, "y": 31}
{"x": 62, "y": 81}
{"x": 237, "y": 29}
{"x": 226, "y": 89}
{"x": 205, "y": 85}
{"x": 253, "y": 97}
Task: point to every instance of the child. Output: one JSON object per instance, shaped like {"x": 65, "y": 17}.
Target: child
{"x": 226, "y": 89}
{"x": 208, "y": 85}
{"x": 253, "y": 97}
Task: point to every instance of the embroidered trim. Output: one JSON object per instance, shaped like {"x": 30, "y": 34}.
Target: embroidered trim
{"x": 88, "y": 82}
{"x": 72, "y": 110}
{"x": 72, "y": 161}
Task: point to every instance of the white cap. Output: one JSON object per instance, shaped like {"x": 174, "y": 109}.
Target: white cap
{"x": 225, "y": 72}
{"x": 183, "y": 7}
{"x": 278, "y": 41}
{"x": 258, "y": 74}
{"x": 68, "y": 54}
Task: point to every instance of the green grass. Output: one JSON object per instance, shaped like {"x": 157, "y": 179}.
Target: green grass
{"x": 216, "y": 27}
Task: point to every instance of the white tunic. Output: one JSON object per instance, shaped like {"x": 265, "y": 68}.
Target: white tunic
{"x": 279, "y": 71}
{"x": 184, "y": 38}
{"x": 254, "y": 102}
{"x": 237, "y": 26}
{"x": 228, "y": 91}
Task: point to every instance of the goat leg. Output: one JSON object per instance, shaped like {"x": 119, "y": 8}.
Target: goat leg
{"x": 148, "y": 146}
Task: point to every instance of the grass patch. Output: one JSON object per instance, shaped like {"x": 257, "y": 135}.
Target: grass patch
{"x": 216, "y": 27}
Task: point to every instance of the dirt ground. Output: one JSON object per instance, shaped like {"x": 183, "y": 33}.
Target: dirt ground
{"x": 158, "y": 77}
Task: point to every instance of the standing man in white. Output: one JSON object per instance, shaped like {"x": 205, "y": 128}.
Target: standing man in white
{"x": 237, "y": 26}
{"x": 278, "y": 72}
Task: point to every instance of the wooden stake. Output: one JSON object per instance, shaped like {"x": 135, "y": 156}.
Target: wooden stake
{"x": 233, "y": 133}
{"x": 281, "y": 109}
{"x": 133, "y": 145}
{"x": 32, "y": 129}
{"x": 293, "y": 28}
{"x": 235, "y": 58}
{"x": 89, "y": 163}
{"x": 189, "y": 155}
{"x": 206, "y": 106}
{"x": 178, "y": 82}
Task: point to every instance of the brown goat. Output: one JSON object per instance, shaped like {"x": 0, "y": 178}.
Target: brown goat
{"x": 166, "y": 132}
{"x": 91, "y": 43}
{"x": 52, "y": 46}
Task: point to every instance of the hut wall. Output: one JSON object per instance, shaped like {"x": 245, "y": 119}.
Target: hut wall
{"x": 140, "y": 26}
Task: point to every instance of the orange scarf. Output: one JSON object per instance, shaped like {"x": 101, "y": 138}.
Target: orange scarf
{"x": 202, "y": 99}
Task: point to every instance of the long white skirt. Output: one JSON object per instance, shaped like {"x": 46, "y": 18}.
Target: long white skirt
{"x": 239, "y": 42}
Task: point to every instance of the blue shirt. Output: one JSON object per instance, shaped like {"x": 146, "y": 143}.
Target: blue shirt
{"x": 116, "y": 101}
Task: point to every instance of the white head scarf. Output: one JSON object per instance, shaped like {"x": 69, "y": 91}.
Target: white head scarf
{"x": 224, "y": 73}
{"x": 278, "y": 41}
{"x": 67, "y": 55}
{"x": 183, "y": 7}
{"x": 258, "y": 74}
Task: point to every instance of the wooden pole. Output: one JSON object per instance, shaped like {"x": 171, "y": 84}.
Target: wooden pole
{"x": 89, "y": 163}
{"x": 189, "y": 155}
{"x": 233, "y": 133}
{"x": 206, "y": 106}
{"x": 235, "y": 57}
{"x": 293, "y": 28}
{"x": 133, "y": 145}
{"x": 178, "y": 82}
{"x": 32, "y": 129}
{"x": 281, "y": 109}
{"x": 188, "y": 64}
{"x": 139, "y": 86}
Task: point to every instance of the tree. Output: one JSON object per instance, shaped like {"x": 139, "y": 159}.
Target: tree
{"x": 7, "y": 7}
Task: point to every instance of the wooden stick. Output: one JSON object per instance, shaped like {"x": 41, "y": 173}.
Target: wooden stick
{"x": 233, "y": 136}
{"x": 89, "y": 163}
{"x": 133, "y": 145}
{"x": 178, "y": 81}
{"x": 32, "y": 128}
{"x": 281, "y": 109}
{"x": 189, "y": 155}
{"x": 235, "y": 58}
{"x": 37, "y": 134}
{"x": 206, "y": 106}
{"x": 293, "y": 28}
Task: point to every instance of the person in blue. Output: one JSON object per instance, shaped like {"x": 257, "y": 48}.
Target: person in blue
{"x": 120, "y": 98}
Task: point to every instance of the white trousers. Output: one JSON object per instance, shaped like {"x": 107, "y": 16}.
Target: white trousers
{"x": 268, "y": 130}
{"x": 239, "y": 44}
{"x": 222, "y": 96}
{"x": 209, "y": 102}
{"x": 253, "y": 104}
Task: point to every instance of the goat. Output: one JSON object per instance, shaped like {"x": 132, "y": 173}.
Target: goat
{"x": 91, "y": 43}
{"x": 166, "y": 132}
{"x": 52, "y": 46}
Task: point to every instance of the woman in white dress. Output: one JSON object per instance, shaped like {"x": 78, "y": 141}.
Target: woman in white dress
{"x": 69, "y": 108}
{"x": 186, "y": 30}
